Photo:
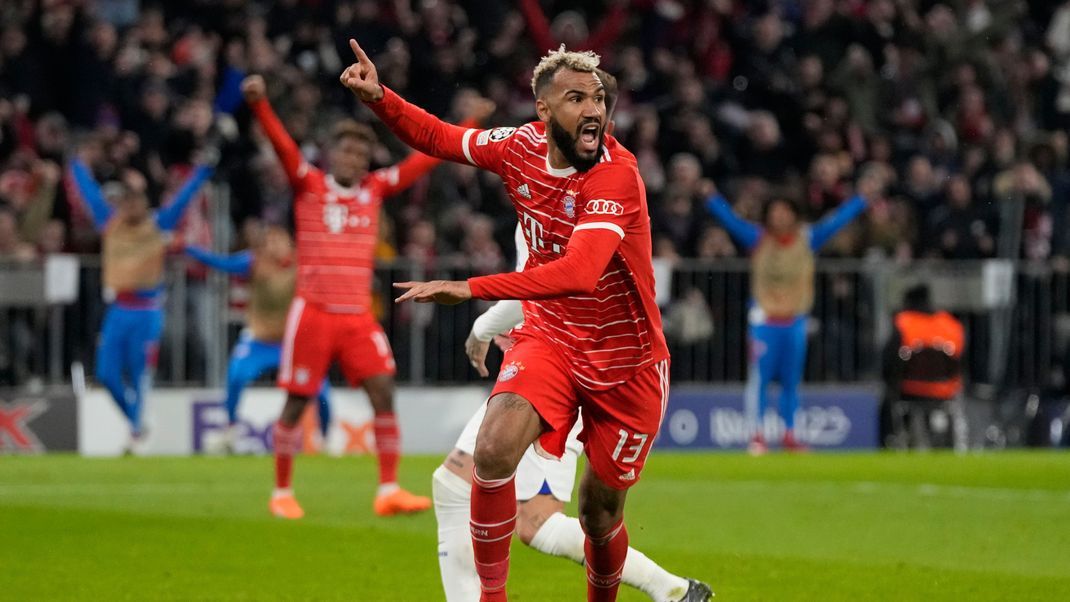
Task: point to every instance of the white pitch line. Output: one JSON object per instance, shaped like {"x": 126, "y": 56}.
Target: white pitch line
{"x": 15, "y": 489}
{"x": 918, "y": 489}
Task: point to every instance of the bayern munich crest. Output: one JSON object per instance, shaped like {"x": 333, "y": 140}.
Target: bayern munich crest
{"x": 570, "y": 206}
{"x": 509, "y": 371}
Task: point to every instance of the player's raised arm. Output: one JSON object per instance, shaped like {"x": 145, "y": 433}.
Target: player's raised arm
{"x": 168, "y": 216}
{"x": 238, "y": 264}
{"x": 91, "y": 194}
{"x": 293, "y": 163}
{"x": 414, "y": 126}
{"x": 869, "y": 186}
{"x": 745, "y": 232}
{"x": 399, "y": 177}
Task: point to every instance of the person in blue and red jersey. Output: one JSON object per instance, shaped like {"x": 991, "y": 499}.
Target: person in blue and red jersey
{"x": 782, "y": 251}
{"x": 134, "y": 245}
{"x": 271, "y": 269}
{"x": 592, "y": 334}
{"x": 336, "y": 216}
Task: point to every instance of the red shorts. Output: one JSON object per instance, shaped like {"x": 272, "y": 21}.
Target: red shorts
{"x": 619, "y": 424}
{"x": 314, "y": 338}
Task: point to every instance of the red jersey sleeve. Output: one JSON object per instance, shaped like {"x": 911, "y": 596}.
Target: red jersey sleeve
{"x": 292, "y": 161}
{"x": 611, "y": 198}
{"x": 395, "y": 179}
{"x": 576, "y": 273}
{"x": 432, "y": 136}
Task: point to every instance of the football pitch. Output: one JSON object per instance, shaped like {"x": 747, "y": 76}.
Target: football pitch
{"x": 817, "y": 527}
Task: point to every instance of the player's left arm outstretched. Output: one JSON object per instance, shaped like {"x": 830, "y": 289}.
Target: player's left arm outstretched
{"x": 237, "y": 264}
{"x": 610, "y": 197}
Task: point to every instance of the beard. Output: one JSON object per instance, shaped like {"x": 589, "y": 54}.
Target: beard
{"x": 566, "y": 143}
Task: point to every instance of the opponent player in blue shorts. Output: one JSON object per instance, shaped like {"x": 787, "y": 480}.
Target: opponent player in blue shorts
{"x": 782, "y": 251}
{"x": 134, "y": 243}
{"x": 271, "y": 268}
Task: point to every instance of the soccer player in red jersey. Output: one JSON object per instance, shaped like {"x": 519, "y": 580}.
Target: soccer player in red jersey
{"x": 592, "y": 335}
{"x": 336, "y": 217}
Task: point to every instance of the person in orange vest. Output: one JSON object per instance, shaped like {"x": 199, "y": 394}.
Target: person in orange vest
{"x": 923, "y": 367}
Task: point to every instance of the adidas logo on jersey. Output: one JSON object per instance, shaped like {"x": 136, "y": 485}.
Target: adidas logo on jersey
{"x": 628, "y": 476}
{"x": 523, "y": 191}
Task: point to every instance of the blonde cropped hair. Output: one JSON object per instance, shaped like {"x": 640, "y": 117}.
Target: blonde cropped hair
{"x": 555, "y": 60}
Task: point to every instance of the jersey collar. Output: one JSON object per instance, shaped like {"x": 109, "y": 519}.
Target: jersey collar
{"x": 558, "y": 173}
{"x": 339, "y": 189}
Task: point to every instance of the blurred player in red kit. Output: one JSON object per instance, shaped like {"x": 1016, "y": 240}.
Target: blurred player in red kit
{"x": 336, "y": 217}
{"x": 592, "y": 334}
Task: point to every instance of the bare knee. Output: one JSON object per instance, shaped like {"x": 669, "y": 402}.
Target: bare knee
{"x": 380, "y": 390}
{"x": 460, "y": 464}
{"x": 532, "y": 515}
{"x": 511, "y": 424}
{"x": 601, "y": 506}
{"x": 496, "y": 455}
{"x": 291, "y": 412}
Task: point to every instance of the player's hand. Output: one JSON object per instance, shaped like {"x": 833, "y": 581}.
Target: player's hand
{"x": 504, "y": 342}
{"x": 444, "y": 292}
{"x": 361, "y": 77}
{"x": 476, "y": 351}
{"x": 253, "y": 88}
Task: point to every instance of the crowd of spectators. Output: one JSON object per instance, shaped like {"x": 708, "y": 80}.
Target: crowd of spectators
{"x": 964, "y": 105}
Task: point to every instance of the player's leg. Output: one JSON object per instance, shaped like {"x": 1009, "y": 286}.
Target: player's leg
{"x": 543, "y": 487}
{"x": 451, "y": 490}
{"x": 306, "y": 354}
{"x": 239, "y": 374}
{"x": 141, "y": 350}
{"x": 619, "y": 427}
{"x": 511, "y": 424}
{"x": 380, "y": 390}
{"x": 390, "y": 499}
{"x": 109, "y": 359}
{"x": 367, "y": 361}
{"x": 323, "y": 399}
{"x": 792, "y": 366}
{"x": 606, "y": 545}
{"x": 249, "y": 360}
{"x": 533, "y": 398}
{"x": 763, "y": 362}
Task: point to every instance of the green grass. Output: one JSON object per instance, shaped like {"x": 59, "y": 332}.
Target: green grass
{"x": 818, "y": 527}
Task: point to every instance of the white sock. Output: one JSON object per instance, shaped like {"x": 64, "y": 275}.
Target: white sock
{"x": 387, "y": 489}
{"x": 285, "y": 492}
{"x": 562, "y": 536}
{"x": 456, "y": 562}
{"x": 647, "y": 576}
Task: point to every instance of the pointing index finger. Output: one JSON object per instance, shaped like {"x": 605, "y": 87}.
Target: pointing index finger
{"x": 359, "y": 52}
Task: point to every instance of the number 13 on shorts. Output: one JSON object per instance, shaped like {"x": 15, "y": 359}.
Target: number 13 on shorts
{"x": 629, "y": 447}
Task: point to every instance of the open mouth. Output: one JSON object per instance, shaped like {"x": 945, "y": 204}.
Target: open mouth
{"x": 589, "y": 137}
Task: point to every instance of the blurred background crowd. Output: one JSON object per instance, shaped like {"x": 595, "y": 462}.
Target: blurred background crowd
{"x": 963, "y": 104}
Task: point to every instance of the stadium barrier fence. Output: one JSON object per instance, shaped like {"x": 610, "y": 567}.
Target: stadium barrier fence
{"x": 1017, "y": 317}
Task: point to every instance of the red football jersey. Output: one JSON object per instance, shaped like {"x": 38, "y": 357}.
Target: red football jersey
{"x": 615, "y": 331}
{"x": 336, "y": 227}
